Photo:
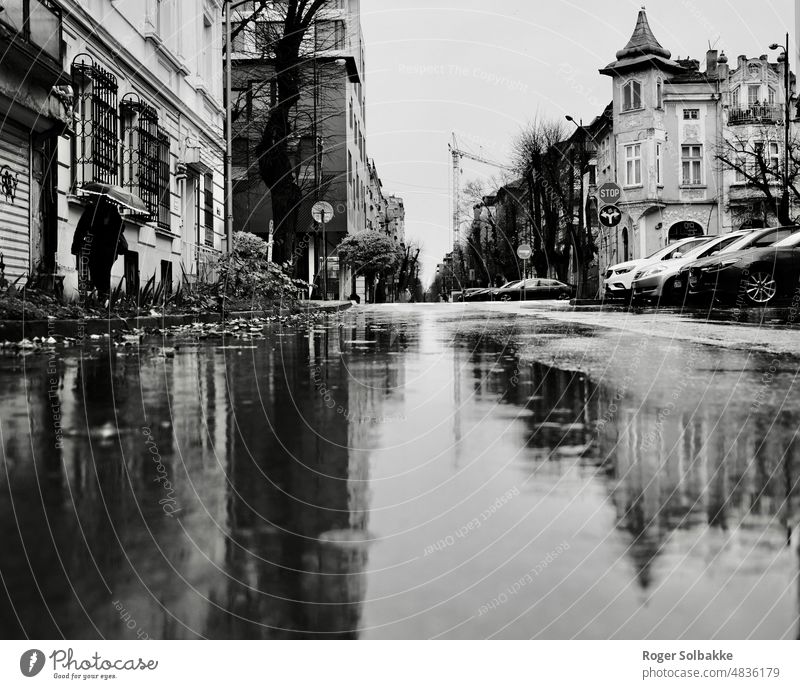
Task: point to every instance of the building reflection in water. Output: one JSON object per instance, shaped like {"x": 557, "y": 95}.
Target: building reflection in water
{"x": 264, "y": 465}
{"x": 701, "y": 463}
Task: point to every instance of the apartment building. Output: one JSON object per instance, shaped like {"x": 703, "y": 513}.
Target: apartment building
{"x": 126, "y": 92}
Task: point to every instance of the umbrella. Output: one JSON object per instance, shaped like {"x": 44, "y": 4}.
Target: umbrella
{"x": 118, "y": 195}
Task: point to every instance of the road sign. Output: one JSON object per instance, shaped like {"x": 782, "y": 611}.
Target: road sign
{"x": 610, "y": 216}
{"x": 524, "y": 251}
{"x": 609, "y": 194}
{"x": 322, "y": 211}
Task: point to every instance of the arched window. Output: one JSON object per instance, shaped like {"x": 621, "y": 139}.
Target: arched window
{"x": 625, "y": 249}
{"x": 632, "y": 95}
{"x": 682, "y": 230}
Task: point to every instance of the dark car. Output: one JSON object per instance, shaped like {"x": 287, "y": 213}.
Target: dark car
{"x": 488, "y": 293}
{"x": 758, "y": 276}
{"x": 697, "y": 289}
{"x": 536, "y": 288}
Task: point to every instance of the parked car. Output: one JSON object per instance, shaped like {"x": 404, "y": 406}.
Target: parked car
{"x": 656, "y": 283}
{"x": 487, "y": 293}
{"x": 699, "y": 278}
{"x": 760, "y": 275}
{"x": 536, "y": 288}
{"x": 465, "y": 294}
{"x": 619, "y": 278}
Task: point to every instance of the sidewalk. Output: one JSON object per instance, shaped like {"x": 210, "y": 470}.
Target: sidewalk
{"x": 14, "y": 331}
{"x": 772, "y": 335}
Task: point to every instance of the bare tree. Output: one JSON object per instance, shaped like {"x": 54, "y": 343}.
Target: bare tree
{"x": 277, "y": 90}
{"x": 758, "y": 163}
{"x": 540, "y": 158}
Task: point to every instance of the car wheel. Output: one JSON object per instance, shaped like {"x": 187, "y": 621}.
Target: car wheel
{"x": 760, "y": 287}
{"x": 505, "y": 297}
{"x": 563, "y": 295}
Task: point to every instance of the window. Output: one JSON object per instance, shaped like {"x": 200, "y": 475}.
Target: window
{"x": 659, "y": 94}
{"x": 736, "y": 97}
{"x": 141, "y": 150}
{"x": 691, "y": 114}
{"x": 95, "y": 144}
{"x": 633, "y": 165}
{"x": 659, "y": 163}
{"x": 329, "y": 35}
{"x": 632, "y": 96}
{"x": 741, "y": 167}
{"x": 774, "y": 159}
{"x": 267, "y": 34}
{"x": 692, "y": 164}
{"x": 771, "y": 96}
{"x": 164, "y": 192}
{"x": 208, "y": 206}
{"x": 753, "y": 93}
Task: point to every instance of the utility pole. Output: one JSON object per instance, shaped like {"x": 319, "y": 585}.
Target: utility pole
{"x": 228, "y": 133}
{"x": 784, "y": 205}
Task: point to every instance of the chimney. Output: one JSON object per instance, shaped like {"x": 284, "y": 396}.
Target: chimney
{"x": 723, "y": 71}
{"x": 711, "y": 64}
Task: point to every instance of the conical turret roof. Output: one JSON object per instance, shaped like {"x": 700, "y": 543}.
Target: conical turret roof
{"x": 643, "y": 43}
{"x": 642, "y": 51}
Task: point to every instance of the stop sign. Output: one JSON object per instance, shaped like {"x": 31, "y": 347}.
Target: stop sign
{"x": 609, "y": 194}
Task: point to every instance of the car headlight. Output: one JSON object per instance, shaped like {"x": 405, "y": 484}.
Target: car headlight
{"x": 723, "y": 263}
{"x": 653, "y": 271}
{"x": 622, "y": 271}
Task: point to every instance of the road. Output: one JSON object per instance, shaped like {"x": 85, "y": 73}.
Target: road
{"x": 407, "y": 471}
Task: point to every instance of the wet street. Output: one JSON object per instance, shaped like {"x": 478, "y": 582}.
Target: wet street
{"x": 410, "y": 471}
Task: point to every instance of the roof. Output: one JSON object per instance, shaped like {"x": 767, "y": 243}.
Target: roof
{"x": 643, "y": 42}
{"x": 643, "y": 51}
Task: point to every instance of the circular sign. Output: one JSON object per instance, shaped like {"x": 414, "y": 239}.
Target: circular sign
{"x": 322, "y": 211}
{"x": 524, "y": 251}
{"x": 609, "y": 194}
{"x": 610, "y": 216}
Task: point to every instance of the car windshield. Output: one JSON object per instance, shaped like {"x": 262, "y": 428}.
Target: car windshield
{"x": 716, "y": 244}
{"x": 509, "y": 285}
{"x": 791, "y": 240}
{"x": 682, "y": 246}
{"x": 745, "y": 241}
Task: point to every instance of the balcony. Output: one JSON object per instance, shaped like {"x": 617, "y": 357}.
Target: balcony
{"x": 30, "y": 40}
{"x": 756, "y": 114}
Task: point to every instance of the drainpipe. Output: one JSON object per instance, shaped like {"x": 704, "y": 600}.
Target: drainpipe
{"x": 228, "y": 134}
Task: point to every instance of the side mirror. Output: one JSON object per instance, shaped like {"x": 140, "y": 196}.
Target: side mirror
{"x": 677, "y": 254}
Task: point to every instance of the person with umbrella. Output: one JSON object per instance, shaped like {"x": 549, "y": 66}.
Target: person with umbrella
{"x": 97, "y": 242}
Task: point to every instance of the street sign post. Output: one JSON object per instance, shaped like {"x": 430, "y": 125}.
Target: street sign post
{"x": 610, "y": 216}
{"x": 609, "y": 194}
{"x": 524, "y": 252}
{"x": 322, "y": 212}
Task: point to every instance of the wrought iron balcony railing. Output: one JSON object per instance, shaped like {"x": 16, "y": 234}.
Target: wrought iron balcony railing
{"x": 756, "y": 113}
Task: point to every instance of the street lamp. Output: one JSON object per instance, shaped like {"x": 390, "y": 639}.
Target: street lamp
{"x": 584, "y": 273}
{"x": 784, "y": 209}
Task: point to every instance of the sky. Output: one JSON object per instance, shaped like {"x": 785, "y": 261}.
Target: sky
{"x": 482, "y": 70}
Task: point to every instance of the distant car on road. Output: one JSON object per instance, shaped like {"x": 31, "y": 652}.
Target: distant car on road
{"x": 536, "y": 288}
{"x": 619, "y": 278}
{"x": 465, "y": 294}
{"x": 487, "y": 293}
{"x": 656, "y": 282}
{"x": 760, "y": 275}
{"x": 701, "y": 277}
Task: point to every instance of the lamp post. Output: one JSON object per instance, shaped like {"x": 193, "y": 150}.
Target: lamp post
{"x": 582, "y": 209}
{"x": 784, "y": 206}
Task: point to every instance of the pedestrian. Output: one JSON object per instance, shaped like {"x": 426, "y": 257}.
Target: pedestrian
{"x": 97, "y": 242}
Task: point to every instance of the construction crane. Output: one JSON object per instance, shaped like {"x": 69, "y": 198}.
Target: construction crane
{"x": 457, "y": 155}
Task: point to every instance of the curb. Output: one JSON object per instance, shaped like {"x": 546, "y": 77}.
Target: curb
{"x": 14, "y": 331}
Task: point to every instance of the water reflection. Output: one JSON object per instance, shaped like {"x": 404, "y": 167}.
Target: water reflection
{"x": 256, "y": 490}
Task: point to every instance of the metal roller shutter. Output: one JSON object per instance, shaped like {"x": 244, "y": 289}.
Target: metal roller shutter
{"x": 15, "y": 215}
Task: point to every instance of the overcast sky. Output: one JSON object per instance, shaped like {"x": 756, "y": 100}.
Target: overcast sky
{"x": 482, "y": 70}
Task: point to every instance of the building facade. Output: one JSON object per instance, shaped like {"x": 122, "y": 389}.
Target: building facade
{"x": 673, "y": 125}
{"x": 132, "y": 98}
{"x": 329, "y": 129}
